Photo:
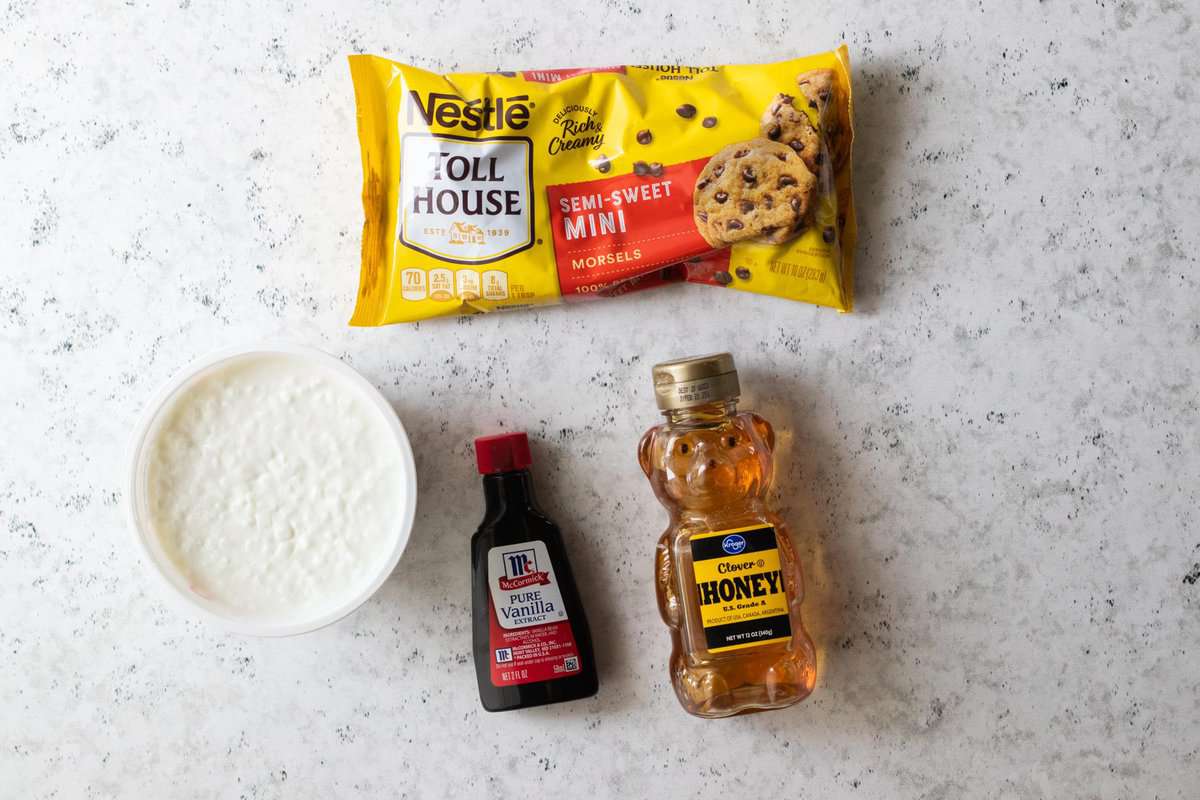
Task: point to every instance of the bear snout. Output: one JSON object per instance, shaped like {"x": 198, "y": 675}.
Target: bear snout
{"x": 709, "y": 468}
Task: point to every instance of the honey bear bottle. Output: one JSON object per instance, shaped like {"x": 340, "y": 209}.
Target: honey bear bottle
{"x": 728, "y": 582}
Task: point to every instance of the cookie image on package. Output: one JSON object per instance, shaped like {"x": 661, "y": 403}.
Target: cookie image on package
{"x": 822, "y": 94}
{"x": 817, "y": 86}
{"x": 788, "y": 124}
{"x": 753, "y": 189}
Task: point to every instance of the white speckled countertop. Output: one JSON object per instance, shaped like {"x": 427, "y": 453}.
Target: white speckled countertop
{"x": 992, "y": 470}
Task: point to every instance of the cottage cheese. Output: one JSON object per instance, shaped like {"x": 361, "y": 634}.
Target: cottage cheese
{"x": 274, "y": 486}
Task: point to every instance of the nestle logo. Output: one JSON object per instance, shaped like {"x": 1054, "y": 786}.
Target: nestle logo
{"x": 481, "y": 114}
{"x": 733, "y": 544}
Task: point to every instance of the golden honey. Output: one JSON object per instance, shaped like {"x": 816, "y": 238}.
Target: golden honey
{"x": 728, "y": 582}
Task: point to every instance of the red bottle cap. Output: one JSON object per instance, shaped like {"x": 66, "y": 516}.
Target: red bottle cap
{"x": 504, "y": 452}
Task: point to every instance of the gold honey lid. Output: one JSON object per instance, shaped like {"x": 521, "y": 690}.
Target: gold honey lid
{"x": 694, "y": 381}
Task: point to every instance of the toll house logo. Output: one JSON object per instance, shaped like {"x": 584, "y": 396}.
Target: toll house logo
{"x": 521, "y": 570}
{"x": 462, "y": 233}
{"x": 465, "y": 200}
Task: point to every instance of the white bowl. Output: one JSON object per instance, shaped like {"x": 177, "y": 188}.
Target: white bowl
{"x": 174, "y": 579}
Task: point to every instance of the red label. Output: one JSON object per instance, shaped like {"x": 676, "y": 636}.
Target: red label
{"x": 707, "y": 268}
{"x": 532, "y": 579}
{"x": 675, "y": 273}
{"x": 530, "y": 655}
{"x": 609, "y": 230}
{"x": 556, "y": 75}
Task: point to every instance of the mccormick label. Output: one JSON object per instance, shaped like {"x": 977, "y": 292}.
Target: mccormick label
{"x": 739, "y": 583}
{"x": 531, "y": 638}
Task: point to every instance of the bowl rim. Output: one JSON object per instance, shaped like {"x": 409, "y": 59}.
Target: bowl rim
{"x": 146, "y": 538}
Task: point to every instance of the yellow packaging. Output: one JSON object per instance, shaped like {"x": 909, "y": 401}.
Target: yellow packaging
{"x": 485, "y": 191}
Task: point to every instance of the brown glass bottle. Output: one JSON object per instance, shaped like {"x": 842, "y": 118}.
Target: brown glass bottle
{"x": 531, "y": 639}
{"x": 728, "y": 581}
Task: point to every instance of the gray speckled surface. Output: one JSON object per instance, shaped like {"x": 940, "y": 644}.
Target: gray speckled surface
{"x": 992, "y": 469}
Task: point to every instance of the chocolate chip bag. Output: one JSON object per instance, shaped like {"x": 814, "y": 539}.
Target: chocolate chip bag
{"x": 486, "y": 191}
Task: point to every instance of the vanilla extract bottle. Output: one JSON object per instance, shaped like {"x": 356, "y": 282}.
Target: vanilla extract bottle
{"x": 531, "y": 639}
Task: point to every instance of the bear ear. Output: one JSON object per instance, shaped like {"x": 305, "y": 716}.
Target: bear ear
{"x": 645, "y": 446}
{"x": 764, "y": 430}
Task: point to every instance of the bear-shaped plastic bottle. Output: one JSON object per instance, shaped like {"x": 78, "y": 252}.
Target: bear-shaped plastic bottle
{"x": 728, "y": 582}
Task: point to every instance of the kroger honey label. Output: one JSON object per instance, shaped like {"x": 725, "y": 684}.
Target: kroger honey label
{"x": 739, "y": 584}
{"x": 486, "y": 191}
